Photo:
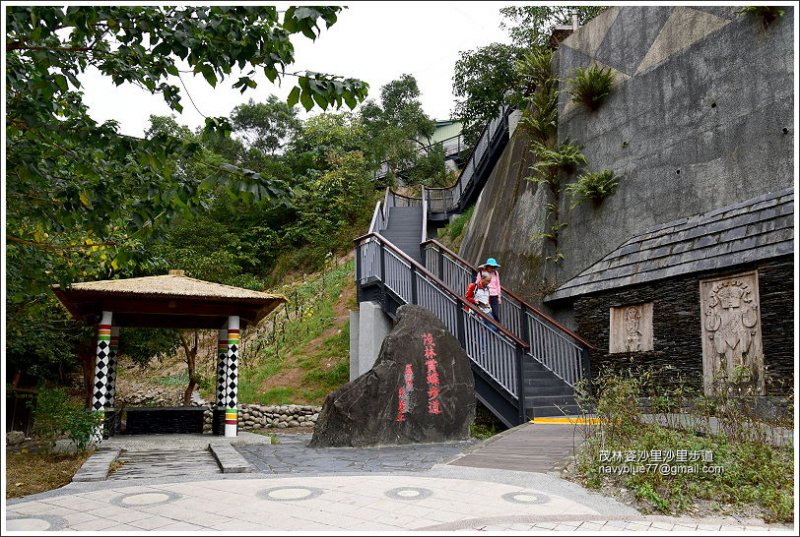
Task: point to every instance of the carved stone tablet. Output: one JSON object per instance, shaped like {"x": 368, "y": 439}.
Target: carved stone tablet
{"x": 631, "y": 328}
{"x": 731, "y": 316}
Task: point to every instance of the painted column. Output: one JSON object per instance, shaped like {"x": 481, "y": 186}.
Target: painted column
{"x": 100, "y": 395}
{"x": 218, "y": 424}
{"x": 112, "y": 368}
{"x": 231, "y": 413}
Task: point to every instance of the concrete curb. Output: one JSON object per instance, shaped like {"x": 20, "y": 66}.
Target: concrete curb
{"x": 230, "y": 461}
{"x": 97, "y": 466}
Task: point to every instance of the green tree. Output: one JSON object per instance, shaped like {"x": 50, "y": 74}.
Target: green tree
{"x": 82, "y": 198}
{"x": 265, "y": 126}
{"x": 397, "y": 130}
{"x": 481, "y": 79}
{"x": 485, "y": 78}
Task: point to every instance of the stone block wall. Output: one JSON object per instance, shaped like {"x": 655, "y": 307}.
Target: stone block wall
{"x": 677, "y": 325}
{"x": 253, "y": 417}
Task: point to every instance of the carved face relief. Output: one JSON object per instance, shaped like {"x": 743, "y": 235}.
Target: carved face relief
{"x": 731, "y": 330}
{"x": 631, "y": 328}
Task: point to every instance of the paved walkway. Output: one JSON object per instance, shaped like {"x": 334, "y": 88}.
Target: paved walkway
{"x": 295, "y": 488}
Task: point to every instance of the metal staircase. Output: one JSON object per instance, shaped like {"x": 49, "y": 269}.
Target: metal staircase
{"x": 526, "y": 367}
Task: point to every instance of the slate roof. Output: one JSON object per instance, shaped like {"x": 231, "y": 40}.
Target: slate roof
{"x": 757, "y": 229}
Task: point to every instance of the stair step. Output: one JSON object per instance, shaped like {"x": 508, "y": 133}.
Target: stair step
{"x": 538, "y": 391}
{"x": 545, "y": 400}
{"x": 552, "y": 411}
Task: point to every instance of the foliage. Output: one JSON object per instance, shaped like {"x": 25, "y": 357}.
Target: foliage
{"x": 85, "y": 200}
{"x": 481, "y": 78}
{"x": 531, "y": 26}
{"x": 768, "y": 14}
{"x": 566, "y": 158}
{"x": 591, "y": 86}
{"x": 293, "y": 327}
{"x": 540, "y": 118}
{"x": 266, "y": 125}
{"x": 593, "y": 186}
{"x": 55, "y": 415}
{"x": 453, "y": 233}
{"x": 397, "y": 133}
{"x": 488, "y": 77}
{"x": 752, "y": 470}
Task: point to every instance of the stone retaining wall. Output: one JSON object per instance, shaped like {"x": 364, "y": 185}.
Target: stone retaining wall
{"x": 269, "y": 416}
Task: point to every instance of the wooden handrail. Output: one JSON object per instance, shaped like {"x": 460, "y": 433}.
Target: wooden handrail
{"x": 512, "y": 295}
{"x": 422, "y": 270}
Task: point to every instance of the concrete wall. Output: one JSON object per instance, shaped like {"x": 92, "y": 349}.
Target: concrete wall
{"x": 368, "y": 328}
{"x": 702, "y": 117}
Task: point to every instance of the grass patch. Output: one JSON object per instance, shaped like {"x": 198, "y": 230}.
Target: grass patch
{"x": 32, "y": 473}
{"x": 304, "y": 319}
{"x": 181, "y": 379}
{"x": 277, "y": 396}
{"x": 452, "y": 234}
{"x": 736, "y": 468}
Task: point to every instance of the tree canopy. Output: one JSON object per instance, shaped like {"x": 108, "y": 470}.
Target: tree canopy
{"x": 83, "y": 200}
{"x": 483, "y": 76}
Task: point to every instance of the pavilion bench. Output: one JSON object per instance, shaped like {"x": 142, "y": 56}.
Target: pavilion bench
{"x": 164, "y": 420}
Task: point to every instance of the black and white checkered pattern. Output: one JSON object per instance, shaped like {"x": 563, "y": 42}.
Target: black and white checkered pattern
{"x": 112, "y": 369}
{"x": 100, "y": 395}
{"x": 222, "y": 368}
{"x": 233, "y": 376}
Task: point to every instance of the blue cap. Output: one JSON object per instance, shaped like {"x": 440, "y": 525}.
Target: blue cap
{"x": 492, "y": 262}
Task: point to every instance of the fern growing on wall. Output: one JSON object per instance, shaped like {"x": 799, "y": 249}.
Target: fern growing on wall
{"x": 591, "y": 86}
{"x": 768, "y": 14}
{"x": 593, "y": 186}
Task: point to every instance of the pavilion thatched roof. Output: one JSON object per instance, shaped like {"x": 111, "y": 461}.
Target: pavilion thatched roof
{"x": 172, "y": 300}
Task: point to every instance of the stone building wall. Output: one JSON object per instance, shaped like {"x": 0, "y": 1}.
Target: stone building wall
{"x": 677, "y": 325}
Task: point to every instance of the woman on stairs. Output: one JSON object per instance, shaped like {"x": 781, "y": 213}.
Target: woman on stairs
{"x": 495, "y": 290}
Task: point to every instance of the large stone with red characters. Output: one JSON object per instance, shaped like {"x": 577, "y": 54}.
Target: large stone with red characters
{"x": 420, "y": 389}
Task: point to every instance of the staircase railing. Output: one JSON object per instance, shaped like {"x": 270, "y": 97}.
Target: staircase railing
{"x": 552, "y": 344}
{"x": 491, "y": 346}
{"x": 446, "y": 200}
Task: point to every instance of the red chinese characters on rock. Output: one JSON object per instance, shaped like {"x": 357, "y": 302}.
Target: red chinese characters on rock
{"x": 431, "y": 374}
{"x": 431, "y": 378}
{"x": 404, "y": 394}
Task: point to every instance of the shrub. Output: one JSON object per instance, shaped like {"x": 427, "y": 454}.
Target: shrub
{"x": 567, "y": 158}
{"x": 593, "y": 186}
{"x": 541, "y": 119}
{"x": 768, "y": 14}
{"x": 591, "y": 86}
{"x": 55, "y": 416}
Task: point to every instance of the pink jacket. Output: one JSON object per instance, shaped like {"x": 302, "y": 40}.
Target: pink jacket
{"x": 494, "y": 284}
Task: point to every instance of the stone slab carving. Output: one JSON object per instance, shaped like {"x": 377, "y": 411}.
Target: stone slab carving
{"x": 732, "y": 329}
{"x": 421, "y": 389}
{"x": 631, "y": 328}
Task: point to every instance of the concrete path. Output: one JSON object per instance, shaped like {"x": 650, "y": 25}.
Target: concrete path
{"x": 531, "y": 447}
{"x": 295, "y": 488}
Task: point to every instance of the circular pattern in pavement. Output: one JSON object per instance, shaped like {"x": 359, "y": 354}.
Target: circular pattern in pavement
{"x": 142, "y": 499}
{"x": 289, "y": 494}
{"x": 408, "y": 493}
{"x": 526, "y": 497}
{"x": 35, "y": 523}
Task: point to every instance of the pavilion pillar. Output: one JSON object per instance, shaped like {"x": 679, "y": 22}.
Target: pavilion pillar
{"x": 112, "y": 368}
{"x": 218, "y": 422}
{"x": 231, "y": 411}
{"x": 100, "y": 394}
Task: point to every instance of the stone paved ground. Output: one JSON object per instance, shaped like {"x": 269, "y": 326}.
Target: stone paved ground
{"x": 295, "y": 488}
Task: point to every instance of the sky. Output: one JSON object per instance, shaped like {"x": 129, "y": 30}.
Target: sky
{"x": 374, "y": 41}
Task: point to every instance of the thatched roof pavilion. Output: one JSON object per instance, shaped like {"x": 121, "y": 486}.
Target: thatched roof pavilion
{"x": 169, "y": 301}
